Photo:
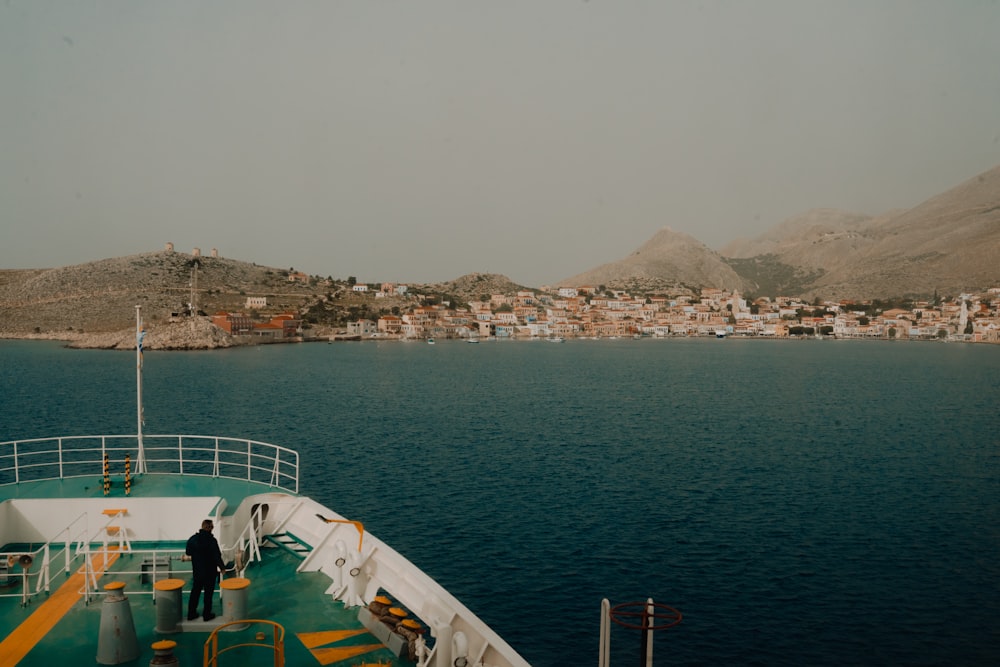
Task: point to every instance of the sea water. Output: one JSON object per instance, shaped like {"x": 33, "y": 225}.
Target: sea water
{"x": 799, "y": 502}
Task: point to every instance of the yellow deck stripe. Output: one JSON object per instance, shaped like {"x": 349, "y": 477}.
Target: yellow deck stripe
{"x": 328, "y": 656}
{"x": 313, "y": 639}
{"x": 32, "y": 629}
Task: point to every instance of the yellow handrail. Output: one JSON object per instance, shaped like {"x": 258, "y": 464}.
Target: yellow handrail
{"x": 212, "y": 652}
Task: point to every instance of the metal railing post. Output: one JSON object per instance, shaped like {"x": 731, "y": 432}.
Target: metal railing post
{"x": 215, "y": 469}
{"x": 46, "y": 567}
{"x": 276, "y": 472}
{"x": 180, "y": 453}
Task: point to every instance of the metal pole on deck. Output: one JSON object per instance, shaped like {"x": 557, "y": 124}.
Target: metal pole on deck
{"x": 604, "y": 647}
{"x": 651, "y": 616}
{"x": 140, "y": 459}
{"x": 647, "y": 635}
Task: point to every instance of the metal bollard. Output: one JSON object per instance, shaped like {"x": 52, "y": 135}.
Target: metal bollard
{"x": 168, "y": 604}
{"x": 116, "y": 642}
{"x": 163, "y": 654}
{"x": 234, "y": 600}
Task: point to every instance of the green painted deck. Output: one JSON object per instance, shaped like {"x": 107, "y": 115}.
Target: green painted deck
{"x": 276, "y": 593}
{"x": 318, "y": 629}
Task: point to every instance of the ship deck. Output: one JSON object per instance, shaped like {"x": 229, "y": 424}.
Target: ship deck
{"x": 318, "y": 630}
{"x": 76, "y": 527}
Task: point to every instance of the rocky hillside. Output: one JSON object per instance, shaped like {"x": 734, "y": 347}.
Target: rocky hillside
{"x": 473, "y": 287}
{"x": 100, "y": 297}
{"x": 949, "y": 244}
{"x": 93, "y": 304}
{"x": 792, "y": 256}
{"x": 819, "y": 229}
{"x": 670, "y": 260}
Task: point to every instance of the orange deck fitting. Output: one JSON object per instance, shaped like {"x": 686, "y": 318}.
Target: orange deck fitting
{"x": 31, "y": 631}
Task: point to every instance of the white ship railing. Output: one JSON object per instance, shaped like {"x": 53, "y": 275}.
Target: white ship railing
{"x": 76, "y": 547}
{"x": 211, "y": 456}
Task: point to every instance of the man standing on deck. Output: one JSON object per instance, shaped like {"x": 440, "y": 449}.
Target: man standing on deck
{"x": 206, "y": 564}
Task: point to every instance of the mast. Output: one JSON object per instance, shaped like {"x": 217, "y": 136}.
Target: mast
{"x": 140, "y": 459}
{"x": 193, "y": 301}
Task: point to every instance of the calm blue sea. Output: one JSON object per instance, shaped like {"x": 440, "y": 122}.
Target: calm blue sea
{"x": 801, "y": 502}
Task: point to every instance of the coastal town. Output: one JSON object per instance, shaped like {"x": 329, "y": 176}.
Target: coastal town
{"x": 191, "y": 301}
{"x": 598, "y": 312}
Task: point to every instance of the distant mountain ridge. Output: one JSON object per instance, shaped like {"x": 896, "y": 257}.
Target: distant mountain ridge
{"x": 821, "y": 225}
{"x": 949, "y": 244}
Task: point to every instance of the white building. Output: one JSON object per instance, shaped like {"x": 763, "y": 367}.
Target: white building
{"x": 362, "y": 328}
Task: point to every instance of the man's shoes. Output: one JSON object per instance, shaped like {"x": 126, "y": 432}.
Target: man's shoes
{"x": 209, "y": 616}
{"x": 191, "y": 617}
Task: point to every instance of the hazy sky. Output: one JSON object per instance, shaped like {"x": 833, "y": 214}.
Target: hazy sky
{"x": 421, "y": 140}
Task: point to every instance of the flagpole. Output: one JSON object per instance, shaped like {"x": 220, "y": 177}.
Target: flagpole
{"x": 140, "y": 463}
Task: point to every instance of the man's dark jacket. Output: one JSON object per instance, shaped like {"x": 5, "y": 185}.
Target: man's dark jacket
{"x": 206, "y": 557}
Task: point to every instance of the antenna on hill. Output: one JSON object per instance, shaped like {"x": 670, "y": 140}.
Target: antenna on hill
{"x": 193, "y": 301}
{"x": 140, "y": 333}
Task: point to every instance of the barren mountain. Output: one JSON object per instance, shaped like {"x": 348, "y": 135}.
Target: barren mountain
{"x": 794, "y": 255}
{"x": 669, "y": 260}
{"x": 949, "y": 244}
{"x": 823, "y": 228}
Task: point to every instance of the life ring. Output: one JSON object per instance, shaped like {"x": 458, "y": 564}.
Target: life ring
{"x": 11, "y": 560}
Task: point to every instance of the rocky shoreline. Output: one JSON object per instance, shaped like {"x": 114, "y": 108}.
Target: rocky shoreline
{"x": 190, "y": 334}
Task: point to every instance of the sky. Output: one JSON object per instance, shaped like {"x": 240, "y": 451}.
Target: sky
{"x": 421, "y": 140}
